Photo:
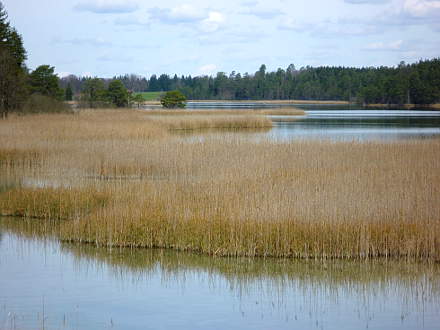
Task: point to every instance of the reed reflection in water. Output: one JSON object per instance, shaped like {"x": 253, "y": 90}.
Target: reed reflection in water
{"x": 81, "y": 286}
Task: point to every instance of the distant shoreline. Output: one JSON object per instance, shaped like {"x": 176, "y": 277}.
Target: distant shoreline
{"x": 321, "y": 102}
{"x": 404, "y": 106}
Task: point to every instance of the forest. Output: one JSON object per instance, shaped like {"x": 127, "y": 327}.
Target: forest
{"x": 417, "y": 83}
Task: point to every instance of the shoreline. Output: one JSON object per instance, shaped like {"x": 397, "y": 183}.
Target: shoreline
{"x": 435, "y": 106}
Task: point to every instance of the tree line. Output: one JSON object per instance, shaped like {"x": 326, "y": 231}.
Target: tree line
{"x": 417, "y": 83}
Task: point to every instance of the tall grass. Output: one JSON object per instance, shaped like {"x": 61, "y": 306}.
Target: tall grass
{"x": 231, "y": 196}
{"x": 220, "y": 121}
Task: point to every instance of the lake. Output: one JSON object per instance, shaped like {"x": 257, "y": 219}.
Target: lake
{"x": 340, "y": 122}
{"x": 45, "y": 284}
{"x": 358, "y": 125}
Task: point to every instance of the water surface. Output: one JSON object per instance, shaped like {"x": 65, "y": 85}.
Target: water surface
{"x": 358, "y": 125}
{"x": 47, "y": 284}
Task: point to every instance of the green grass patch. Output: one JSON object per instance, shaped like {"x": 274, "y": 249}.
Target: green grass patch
{"x": 150, "y": 96}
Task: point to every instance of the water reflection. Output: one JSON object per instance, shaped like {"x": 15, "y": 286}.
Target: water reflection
{"x": 87, "y": 287}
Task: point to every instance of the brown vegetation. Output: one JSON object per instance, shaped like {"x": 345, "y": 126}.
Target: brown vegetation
{"x": 231, "y": 195}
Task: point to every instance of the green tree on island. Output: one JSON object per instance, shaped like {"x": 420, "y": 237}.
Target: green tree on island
{"x": 117, "y": 94}
{"x": 173, "y": 99}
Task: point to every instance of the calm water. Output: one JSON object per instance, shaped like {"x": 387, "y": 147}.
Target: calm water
{"x": 46, "y": 284}
{"x": 358, "y": 125}
{"x": 341, "y": 122}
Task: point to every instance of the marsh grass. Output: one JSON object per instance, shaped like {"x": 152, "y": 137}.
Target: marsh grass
{"x": 195, "y": 122}
{"x": 50, "y": 203}
{"x": 231, "y": 196}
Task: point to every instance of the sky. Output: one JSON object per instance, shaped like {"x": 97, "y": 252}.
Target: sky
{"x": 202, "y": 37}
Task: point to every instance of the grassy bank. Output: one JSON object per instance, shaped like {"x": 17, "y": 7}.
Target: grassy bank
{"x": 150, "y": 96}
{"x": 123, "y": 180}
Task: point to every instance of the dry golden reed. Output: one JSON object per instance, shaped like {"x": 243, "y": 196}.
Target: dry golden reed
{"x": 186, "y": 122}
{"x": 50, "y": 203}
{"x": 227, "y": 195}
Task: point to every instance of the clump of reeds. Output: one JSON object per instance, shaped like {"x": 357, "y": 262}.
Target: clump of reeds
{"x": 186, "y": 122}
{"x": 50, "y": 203}
{"x": 19, "y": 158}
{"x": 151, "y": 225}
{"x": 282, "y": 112}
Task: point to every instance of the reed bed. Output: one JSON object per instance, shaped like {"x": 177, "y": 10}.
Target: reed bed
{"x": 50, "y": 203}
{"x": 227, "y": 196}
{"x": 194, "y": 122}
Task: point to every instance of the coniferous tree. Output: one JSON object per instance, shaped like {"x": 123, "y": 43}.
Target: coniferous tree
{"x": 44, "y": 81}
{"x": 12, "y": 68}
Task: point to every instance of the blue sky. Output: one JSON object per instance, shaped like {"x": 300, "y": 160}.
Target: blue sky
{"x": 112, "y": 37}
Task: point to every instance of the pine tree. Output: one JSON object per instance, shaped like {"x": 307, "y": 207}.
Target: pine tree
{"x": 12, "y": 68}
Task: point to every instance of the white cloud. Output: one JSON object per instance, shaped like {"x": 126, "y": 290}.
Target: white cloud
{"x": 184, "y": 13}
{"x": 207, "y": 70}
{"x": 107, "y": 6}
{"x": 422, "y": 8}
{"x": 213, "y": 22}
{"x": 385, "y": 46}
{"x": 263, "y": 13}
{"x": 202, "y": 19}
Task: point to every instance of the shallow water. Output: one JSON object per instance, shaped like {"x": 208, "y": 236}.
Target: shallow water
{"x": 46, "y": 284}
